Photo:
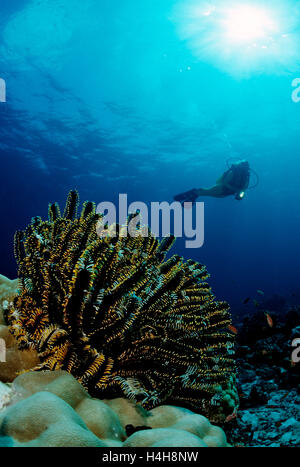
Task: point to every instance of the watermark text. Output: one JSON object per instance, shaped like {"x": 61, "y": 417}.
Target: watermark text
{"x": 296, "y": 92}
{"x": 2, "y": 351}
{"x": 296, "y": 352}
{"x": 164, "y": 219}
{"x": 2, "y": 90}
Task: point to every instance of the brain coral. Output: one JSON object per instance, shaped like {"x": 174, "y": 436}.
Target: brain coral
{"x": 119, "y": 316}
{"x": 50, "y": 408}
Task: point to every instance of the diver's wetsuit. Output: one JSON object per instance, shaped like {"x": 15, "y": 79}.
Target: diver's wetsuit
{"x": 236, "y": 179}
{"x": 233, "y": 182}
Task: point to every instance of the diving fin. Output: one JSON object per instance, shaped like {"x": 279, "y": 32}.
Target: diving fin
{"x": 187, "y": 197}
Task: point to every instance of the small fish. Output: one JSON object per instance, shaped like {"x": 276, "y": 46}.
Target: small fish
{"x": 260, "y": 292}
{"x": 231, "y": 417}
{"x": 285, "y": 396}
{"x": 232, "y": 329}
{"x": 256, "y": 303}
{"x": 269, "y": 320}
{"x": 247, "y": 300}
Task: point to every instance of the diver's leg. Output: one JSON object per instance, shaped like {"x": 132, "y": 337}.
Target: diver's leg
{"x": 188, "y": 196}
{"x": 215, "y": 191}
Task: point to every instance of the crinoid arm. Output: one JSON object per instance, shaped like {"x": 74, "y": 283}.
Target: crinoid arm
{"x": 119, "y": 316}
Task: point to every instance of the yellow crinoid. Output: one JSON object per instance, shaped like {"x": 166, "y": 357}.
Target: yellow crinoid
{"x": 119, "y": 316}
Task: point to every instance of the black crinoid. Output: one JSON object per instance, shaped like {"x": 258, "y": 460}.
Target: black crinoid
{"x": 121, "y": 318}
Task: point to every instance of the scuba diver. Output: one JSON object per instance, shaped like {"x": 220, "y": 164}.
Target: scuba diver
{"x": 235, "y": 181}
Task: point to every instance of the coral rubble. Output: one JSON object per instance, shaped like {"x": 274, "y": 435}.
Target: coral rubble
{"x": 268, "y": 382}
{"x": 119, "y": 316}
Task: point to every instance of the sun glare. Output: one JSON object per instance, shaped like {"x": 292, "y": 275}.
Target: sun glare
{"x": 242, "y": 37}
{"x": 247, "y": 23}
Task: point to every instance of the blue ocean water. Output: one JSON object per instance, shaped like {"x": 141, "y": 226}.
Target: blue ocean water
{"x": 152, "y": 98}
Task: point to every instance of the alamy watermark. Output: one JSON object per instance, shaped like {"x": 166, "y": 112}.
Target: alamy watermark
{"x": 296, "y": 352}
{"x": 296, "y": 92}
{"x": 2, "y": 90}
{"x": 2, "y": 351}
{"x": 164, "y": 219}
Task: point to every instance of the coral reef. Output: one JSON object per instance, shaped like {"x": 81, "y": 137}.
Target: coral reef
{"x": 119, "y": 316}
{"x": 44, "y": 420}
{"x": 4, "y": 395}
{"x": 15, "y": 360}
{"x": 276, "y": 423}
{"x": 268, "y": 382}
{"x": 50, "y": 408}
{"x": 268, "y": 351}
{"x": 8, "y": 290}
